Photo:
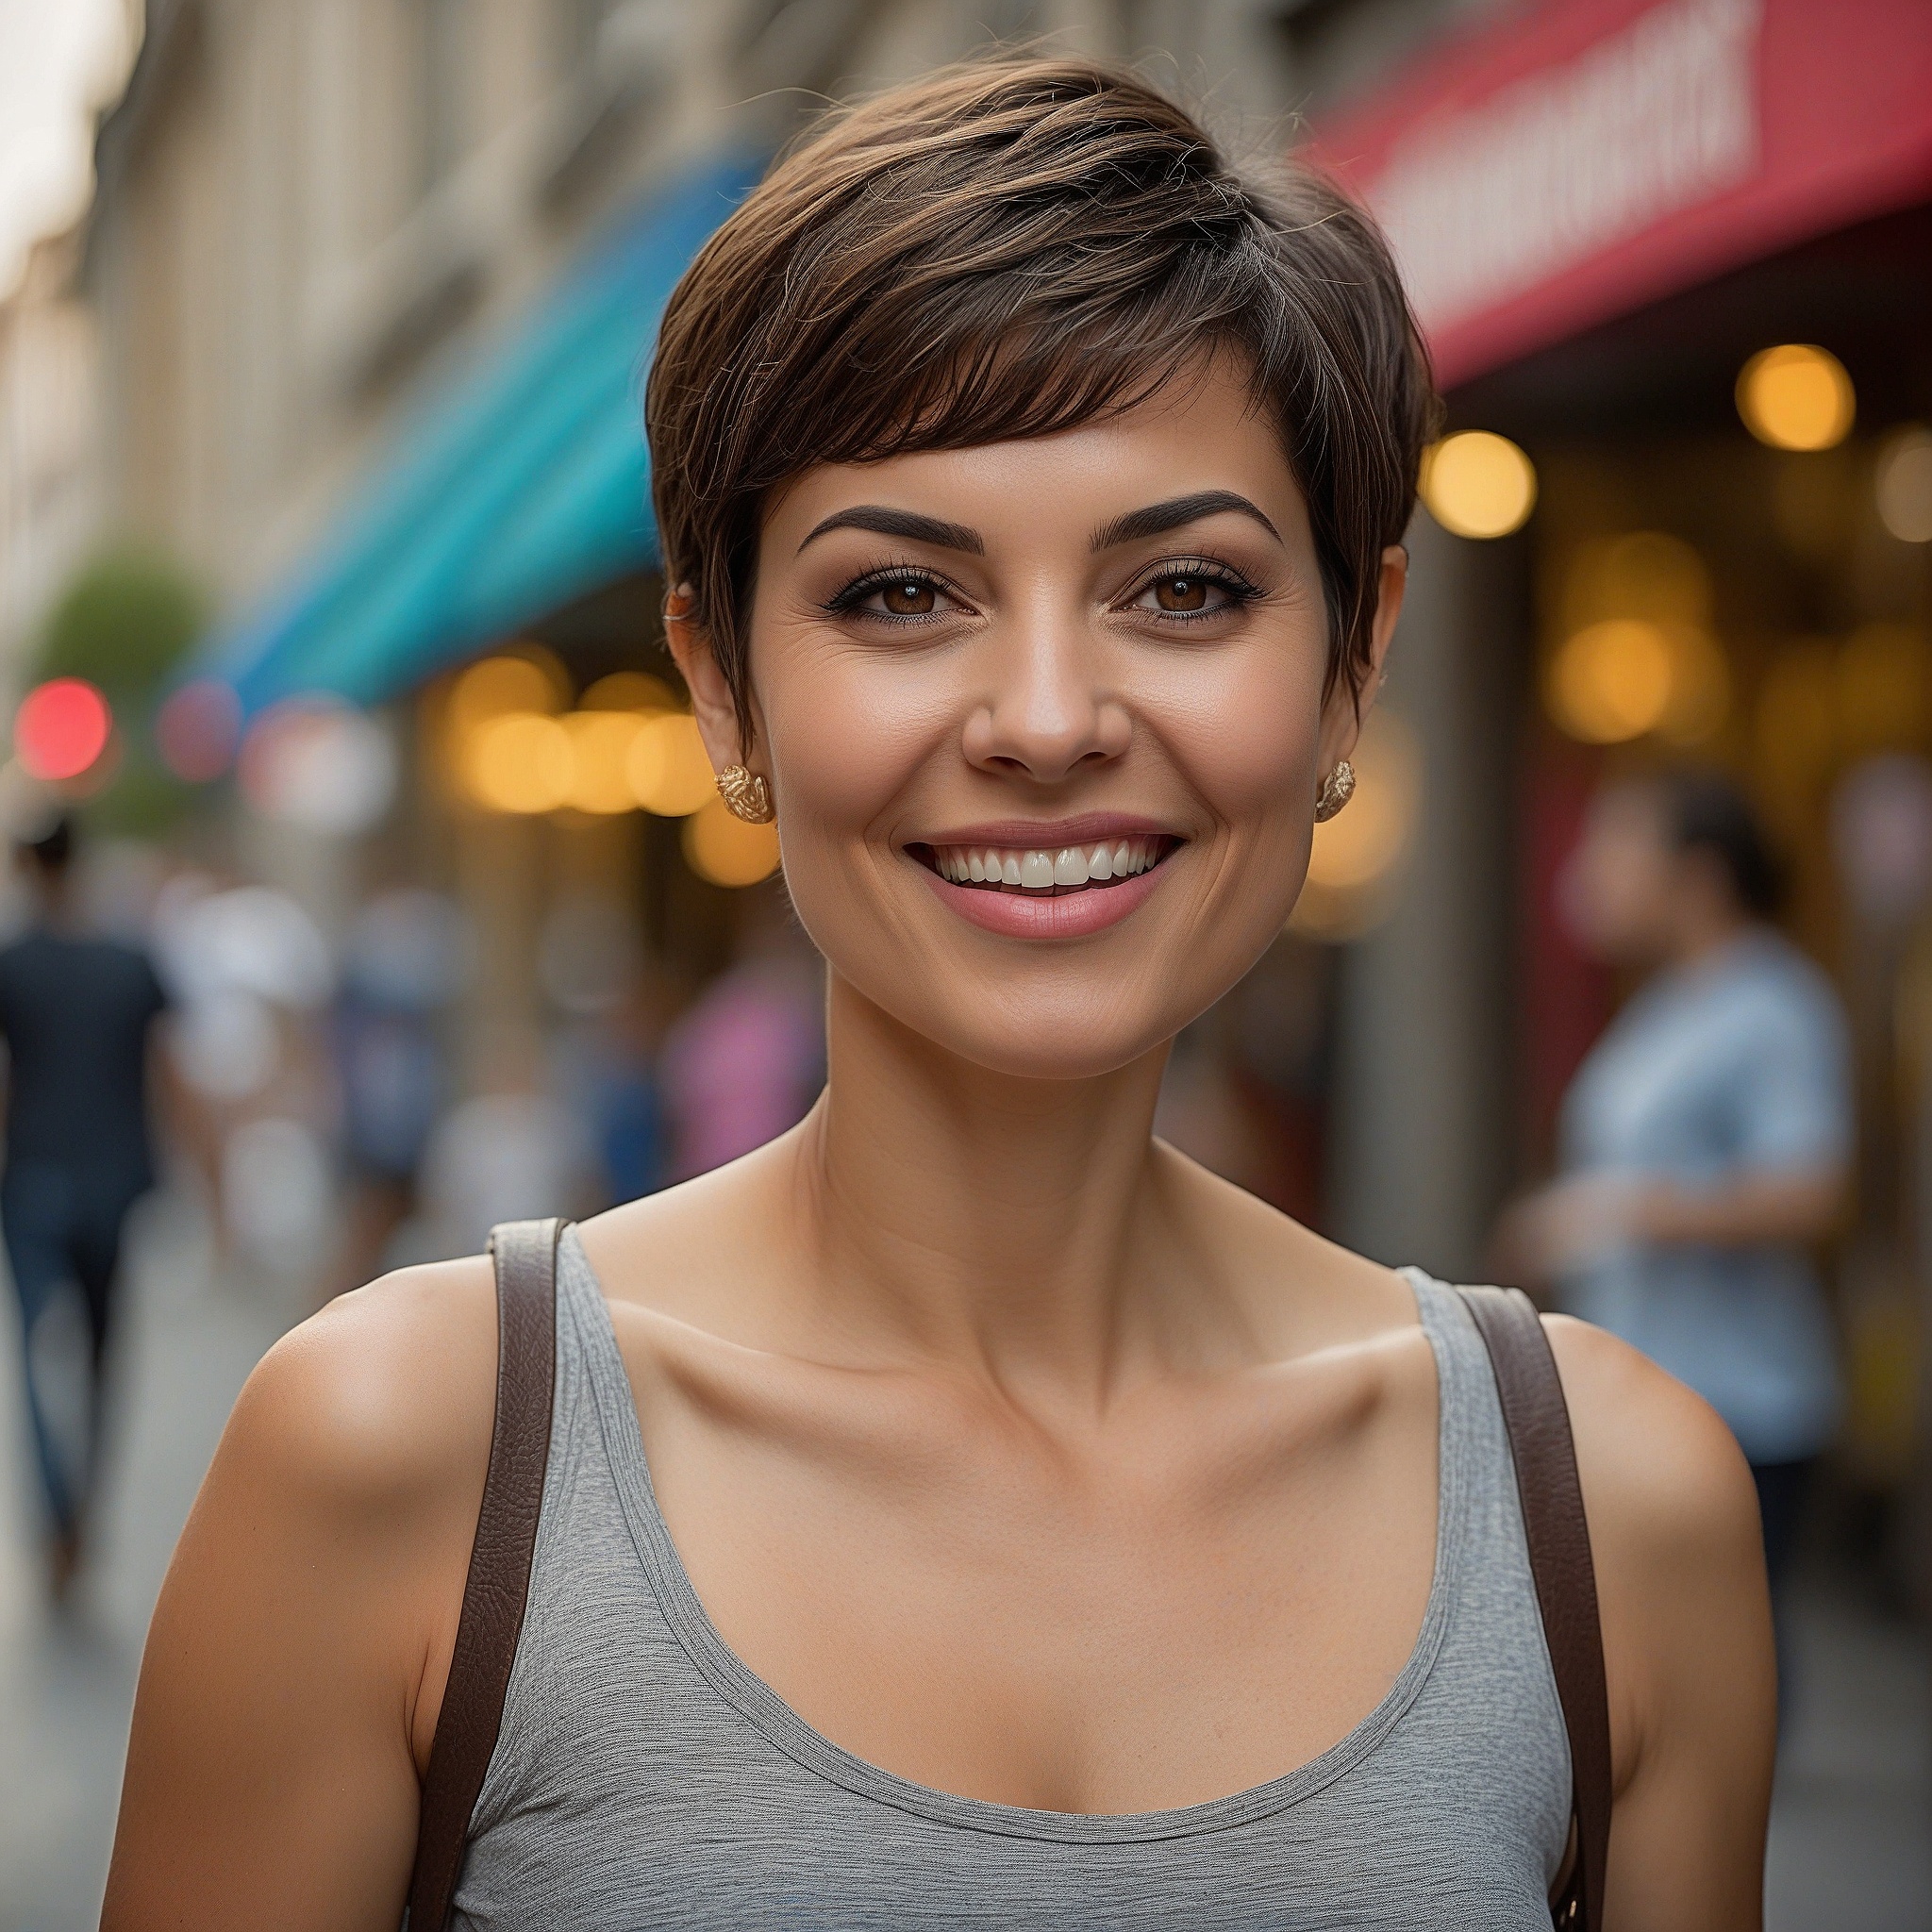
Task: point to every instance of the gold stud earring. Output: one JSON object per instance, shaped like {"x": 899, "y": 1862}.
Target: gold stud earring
{"x": 1338, "y": 788}
{"x": 746, "y": 796}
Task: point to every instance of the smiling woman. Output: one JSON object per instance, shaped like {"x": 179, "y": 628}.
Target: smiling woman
{"x": 965, "y": 1510}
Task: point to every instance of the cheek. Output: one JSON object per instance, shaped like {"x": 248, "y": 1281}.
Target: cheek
{"x": 845, "y": 737}
{"x": 1246, "y": 728}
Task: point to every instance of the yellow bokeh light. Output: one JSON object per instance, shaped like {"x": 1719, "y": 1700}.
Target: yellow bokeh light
{"x": 600, "y": 743}
{"x": 667, "y": 767}
{"x": 1478, "y": 484}
{"x": 721, "y": 847}
{"x": 1904, "y": 485}
{"x": 520, "y": 761}
{"x": 495, "y": 686}
{"x": 628, "y": 690}
{"x": 1611, "y": 681}
{"x": 1796, "y": 396}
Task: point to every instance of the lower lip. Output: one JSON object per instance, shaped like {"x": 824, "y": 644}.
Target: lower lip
{"x": 1046, "y": 915}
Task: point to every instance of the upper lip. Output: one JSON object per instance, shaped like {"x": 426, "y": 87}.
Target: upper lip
{"x": 1048, "y": 835}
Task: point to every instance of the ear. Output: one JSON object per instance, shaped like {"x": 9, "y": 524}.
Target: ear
{"x": 1342, "y": 724}
{"x": 710, "y": 689}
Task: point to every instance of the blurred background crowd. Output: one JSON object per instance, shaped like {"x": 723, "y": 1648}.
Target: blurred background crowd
{"x": 329, "y": 641}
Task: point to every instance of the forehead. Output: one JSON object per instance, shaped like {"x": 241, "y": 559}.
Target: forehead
{"x": 1196, "y": 435}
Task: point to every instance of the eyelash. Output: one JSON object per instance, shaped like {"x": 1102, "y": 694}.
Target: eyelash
{"x": 1224, "y": 577}
{"x": 848, "y": 601}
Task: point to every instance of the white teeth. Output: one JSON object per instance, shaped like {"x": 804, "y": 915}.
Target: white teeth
{"x": 1040, "y": 871}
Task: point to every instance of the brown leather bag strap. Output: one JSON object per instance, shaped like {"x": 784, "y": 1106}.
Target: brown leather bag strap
{"x": 499, "y": 1579}
{"x": 1538, "y": 1421}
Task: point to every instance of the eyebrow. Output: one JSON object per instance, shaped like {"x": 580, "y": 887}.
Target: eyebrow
{"x": 884, "y": 522}
{"x": 1158, "y": 518}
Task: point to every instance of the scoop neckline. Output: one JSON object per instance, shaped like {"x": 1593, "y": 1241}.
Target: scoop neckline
{"x": 753, "y": 1700}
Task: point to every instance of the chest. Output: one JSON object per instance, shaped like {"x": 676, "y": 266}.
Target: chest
{"x": 1183, "y": 1607}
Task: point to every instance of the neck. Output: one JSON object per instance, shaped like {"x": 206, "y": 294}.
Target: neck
{"x": 1006, "y": 1223}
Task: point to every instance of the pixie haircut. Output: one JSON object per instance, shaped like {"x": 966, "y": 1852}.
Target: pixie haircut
{"x": 1006, "y": 249}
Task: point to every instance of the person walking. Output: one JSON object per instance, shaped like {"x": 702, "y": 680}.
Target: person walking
{"x": 1707, "y": 1138}
{"x": 77, "y": 1013}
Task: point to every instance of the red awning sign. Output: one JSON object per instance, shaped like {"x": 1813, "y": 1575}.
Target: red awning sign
{"x": 1584, "y": 157}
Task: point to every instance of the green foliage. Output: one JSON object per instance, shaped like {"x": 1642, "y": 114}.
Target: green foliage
{"x": 125, "y": 619}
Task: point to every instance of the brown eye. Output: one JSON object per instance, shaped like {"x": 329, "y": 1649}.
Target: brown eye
{"x": 1181, "y": 594}
{"x": 908, "y": 597}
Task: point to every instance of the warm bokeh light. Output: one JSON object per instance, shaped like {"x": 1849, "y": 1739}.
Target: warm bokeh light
{"x": 721, "y": 847}
{"x": 628, "y": 690}
{"x": 1611, "y": 681}
{"x": 1355, "y": 855}
{"x": 1478, "y": 484}
{"x": 61, "y": 729}
{"x": 1796, "y": 396}
{"x": 600, "y": 743}
{"x": 197, "y": 730}
{"x": 495, "y": 687}
{"x": 519, "y": 761}
{"x": 1904, "y": 485}
{"x": 669, "y": 770}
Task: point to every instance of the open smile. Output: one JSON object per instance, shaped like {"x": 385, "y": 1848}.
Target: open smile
{"x": 1060, "y": 881}
{"x": 1043, "y": 872}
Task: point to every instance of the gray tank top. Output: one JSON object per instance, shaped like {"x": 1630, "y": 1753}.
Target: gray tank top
{"x": 645, "y": 1777}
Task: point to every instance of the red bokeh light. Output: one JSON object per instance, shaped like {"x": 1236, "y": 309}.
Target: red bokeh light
{"x": 61, "y": 728}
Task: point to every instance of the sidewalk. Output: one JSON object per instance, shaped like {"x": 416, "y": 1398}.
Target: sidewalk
{"x": 1851, "y": 1834}
{"x": 66, "y": 1687}
{"x": 1851, "y": 1849}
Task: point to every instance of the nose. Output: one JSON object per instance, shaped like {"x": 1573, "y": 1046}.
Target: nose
{"x": 1047, "y": 711}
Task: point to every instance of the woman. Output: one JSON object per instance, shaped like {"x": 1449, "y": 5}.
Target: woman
{"x": 963, "y": 1508}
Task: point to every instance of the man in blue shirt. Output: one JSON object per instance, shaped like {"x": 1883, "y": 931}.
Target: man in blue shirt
{"x": 1707, "y": 1138}
{"x": 77, "y": 1013}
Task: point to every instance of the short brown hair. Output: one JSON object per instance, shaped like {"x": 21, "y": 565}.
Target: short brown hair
{"x": 1008, "y": 248}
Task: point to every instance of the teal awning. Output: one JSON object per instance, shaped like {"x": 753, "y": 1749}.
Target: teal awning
{"x": 523, "y": 484}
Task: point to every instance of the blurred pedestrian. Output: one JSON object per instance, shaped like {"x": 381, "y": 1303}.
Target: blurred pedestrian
{"x": 403, "y": 963}
{"x": 77, "y": 1013}
{"x": 510, "y": 1151}
{"x": 749, "y": 1057}
{"x": 1705, "y": 1138}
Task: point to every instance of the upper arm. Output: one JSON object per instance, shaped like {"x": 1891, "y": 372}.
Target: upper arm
{"x": 295, "y": 1662}
{"x": 1687, "y": 1640}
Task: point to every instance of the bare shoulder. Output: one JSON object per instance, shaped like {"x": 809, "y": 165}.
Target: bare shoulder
{"x": 1663, "y": 1478}
{"x": 1303, "y": 1292}
{"x": 387, "y": 1393}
